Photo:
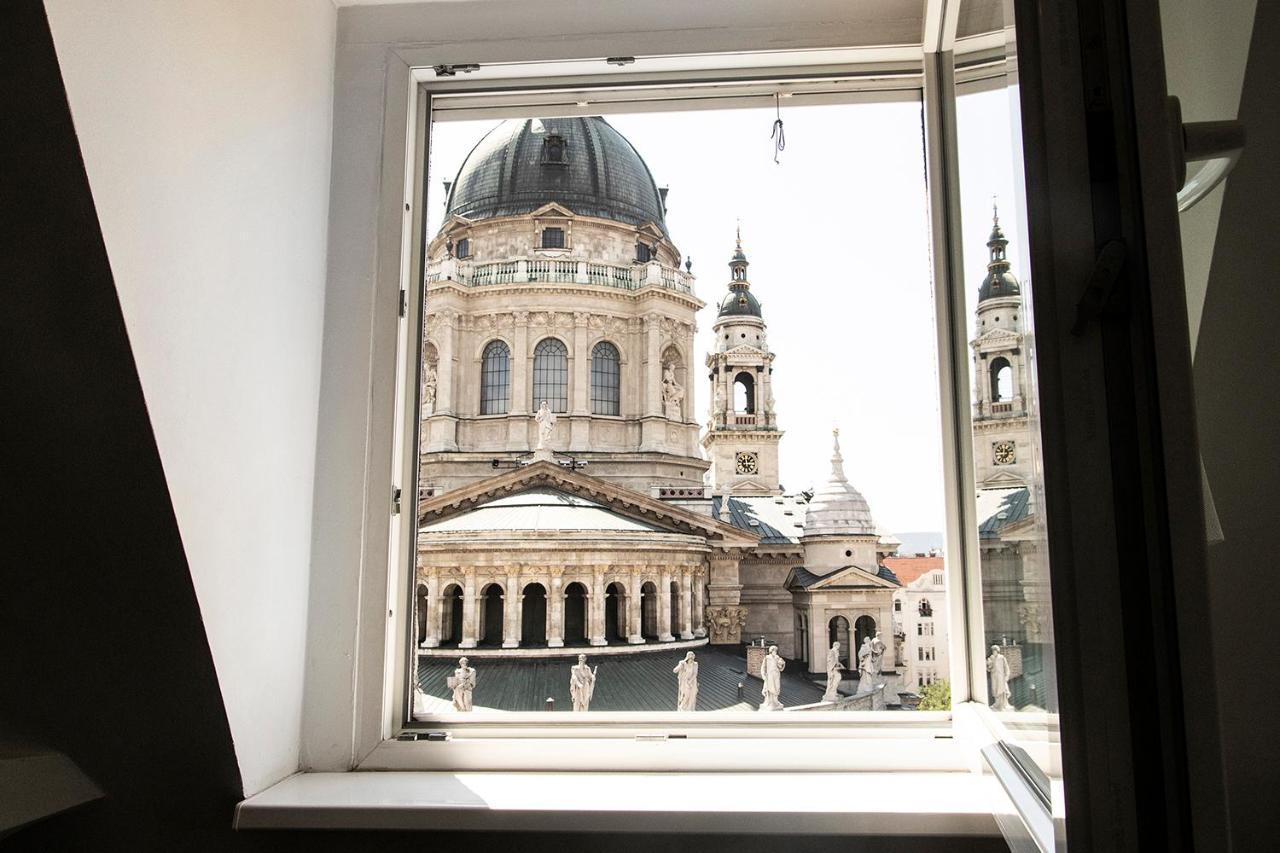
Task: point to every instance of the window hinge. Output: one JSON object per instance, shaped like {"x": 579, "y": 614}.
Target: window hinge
{"x": 395, "y": 501}
{"x": 1102, "y": 281}
{"x": 404, "y": 302}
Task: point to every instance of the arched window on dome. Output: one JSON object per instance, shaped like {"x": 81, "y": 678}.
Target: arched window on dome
{"x": 551, "y": 375}
{"x": 495, "y": 378}
{"x": 606, "y": 385}
{"x": 554, "y": 150}
{"x": 744, "y": 393}
{"x": 1001, "y": 379}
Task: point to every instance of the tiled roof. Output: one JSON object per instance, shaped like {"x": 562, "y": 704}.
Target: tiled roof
{"x": 908, "y": 569}
{"x": 639, "y": 682}
{"x": 805, "y": 578}
{"x": 778, "y": 519}
{"x": 999, "y": 508}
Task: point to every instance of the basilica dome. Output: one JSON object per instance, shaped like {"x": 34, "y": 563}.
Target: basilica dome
{"x": 580, "y": 163}
{"x": 739, "y": 301}
{"x": 838, "y": 509}
{"x": 999, "y": 281}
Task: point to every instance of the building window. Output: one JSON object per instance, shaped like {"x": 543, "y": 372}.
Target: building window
{"x": 897, "y": 605}
{"x": 937, "y": 578}
{"x": 495, "y": 378}
{"x": 551, "y": 375}
{"x": 744, "y": 393}
{"x": 605, "y": 385}
{"x": 553, "y": 238}
{"x": 554, "y": 150}
{"x": 643, "y": 254}
{"x": 464, "y": 248}
{"x": 926, "y": 609}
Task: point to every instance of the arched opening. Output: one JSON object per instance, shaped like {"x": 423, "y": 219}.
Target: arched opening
{"x": 533, "y": 615}
{"x": 744, "y": 393}
{"x": 838, "y": 632}
{"x": 1001, "y": 379}
{"x": 491, "y": 615}
{"x": 615, "y": 613}
{"x": 451, "y": 616}
{"x": 677, "y": 624}
{"x": 863, "y": 629}
{"x": 420, "y": 610}
{"x": 649, "y": 611}
{"x": 575, "y": 615}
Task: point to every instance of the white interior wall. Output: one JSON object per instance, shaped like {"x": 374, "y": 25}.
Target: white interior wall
{"x": 1206, "y": 45}
{"x": 206, "y": 130}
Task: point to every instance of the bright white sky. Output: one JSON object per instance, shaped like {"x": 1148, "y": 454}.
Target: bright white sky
{"x": 837, "y": 236}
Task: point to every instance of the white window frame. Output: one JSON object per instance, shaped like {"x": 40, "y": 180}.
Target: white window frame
{"x": 621, "y": 741}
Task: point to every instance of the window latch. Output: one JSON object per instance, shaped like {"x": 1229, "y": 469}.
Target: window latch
{"x": 1102, "y": 282}
{"x": 452, "y": 70}
{"x": 395, "y": 501}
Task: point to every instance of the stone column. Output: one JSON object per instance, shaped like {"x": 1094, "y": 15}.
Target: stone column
{"x": 580, "y": 399}
{"x": 596, "y": 635}
{"x": 469, "y": 612}
{"x": 555, "y": 611}
{"x": 511, "y": 613}
{"x": 518, "y": 423}
{"x": 447, "y": 340}
{"x": 634, "y": 616}
{"x": 698, "y": 607}
{"x": 726, "y": 608}
{"x": 664, "y": 607}
{"x": 652, "y": 366}
{"x": 433, "y": 612}
{"x": 686, "y": 600}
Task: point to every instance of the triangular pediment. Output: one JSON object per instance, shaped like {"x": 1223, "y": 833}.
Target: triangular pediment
{"x": 651, "y": 229}
{"x": 998, "y": 337}
{"x": 610, "y": 497}
{"x": 1002, "y": 480}
{"x": 745, "y": 349}
{"x": 553, "y": 208}
{"x": 801, "y": 579}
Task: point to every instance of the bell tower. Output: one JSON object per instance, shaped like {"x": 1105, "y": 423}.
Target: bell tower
{"x": 1001, "y": 434}
{"x": 742, "y": 433}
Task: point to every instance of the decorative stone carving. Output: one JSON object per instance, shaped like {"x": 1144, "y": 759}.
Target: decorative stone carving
{"x": 726, "y": 624}
{"x": 582, "y": 684}
{"x": 462, "y": 683}
{"x": 672, "y": 392}
{"x": 546, "y": 425}
{"x": 429, "y": 384}
{"x": 687, "y": 683}
{"x": 998, "y": 667}
{"x": 866, "y": 667}
{"x": 834, "y": 669}
{"x": 771, "y": 674}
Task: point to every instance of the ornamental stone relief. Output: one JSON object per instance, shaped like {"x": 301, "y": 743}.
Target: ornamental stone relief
{"x": 726, "y": 624}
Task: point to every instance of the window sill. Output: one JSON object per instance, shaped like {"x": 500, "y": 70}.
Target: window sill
{"x": 881, "y": 804}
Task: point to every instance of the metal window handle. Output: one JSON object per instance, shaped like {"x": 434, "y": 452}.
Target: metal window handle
{"x": 1218, "y": 142}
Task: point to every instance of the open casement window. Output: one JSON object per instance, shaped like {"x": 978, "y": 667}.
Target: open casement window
{"x": 1003, "y": 424}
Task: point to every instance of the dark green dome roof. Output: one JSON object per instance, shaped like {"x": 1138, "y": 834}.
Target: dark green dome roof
{"x": 581, "y": 163}
{"x": 739, "y": 301}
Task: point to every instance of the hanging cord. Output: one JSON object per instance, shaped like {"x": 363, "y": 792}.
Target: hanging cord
{"x": 778, "y": 136}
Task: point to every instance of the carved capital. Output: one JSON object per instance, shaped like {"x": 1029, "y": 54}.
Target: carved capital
{"x": 726, "y": 624}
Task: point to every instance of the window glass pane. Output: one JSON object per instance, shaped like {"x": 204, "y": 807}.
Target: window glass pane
{"x": 1016, "y": 613}
{"x": 605, "y": 398}
{"x": 719, "y": 424}
{"x": 551, "y": 375}
{"x": 495, "y": 380}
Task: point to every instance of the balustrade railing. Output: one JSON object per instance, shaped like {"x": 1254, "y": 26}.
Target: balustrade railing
{"x": 520, "y": 270}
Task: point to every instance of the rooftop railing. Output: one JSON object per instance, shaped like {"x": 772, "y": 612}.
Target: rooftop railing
{"x": 521, "y": 270}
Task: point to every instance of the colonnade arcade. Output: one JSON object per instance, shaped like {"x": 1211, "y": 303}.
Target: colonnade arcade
{"x": 528, "y": 606}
